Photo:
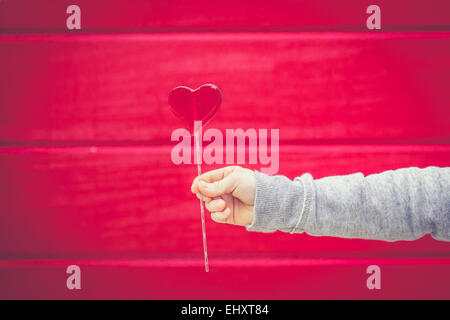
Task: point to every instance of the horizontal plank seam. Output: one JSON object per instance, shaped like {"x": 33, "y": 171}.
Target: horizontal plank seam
{"x": 228, "y": 262}
{"x": 214, "y": 36}
{"x": 256, "y": 29}
{"x": 124, "y": 143}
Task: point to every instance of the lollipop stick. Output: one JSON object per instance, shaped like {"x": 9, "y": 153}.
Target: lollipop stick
{"x": 202, "y": 209}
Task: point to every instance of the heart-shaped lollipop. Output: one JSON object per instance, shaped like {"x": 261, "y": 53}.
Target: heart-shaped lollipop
{"x": 190, "y": 105}
{"x": 200, "y": 104}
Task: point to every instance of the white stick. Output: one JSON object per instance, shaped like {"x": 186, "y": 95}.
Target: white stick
{"x": 202, "y": 209}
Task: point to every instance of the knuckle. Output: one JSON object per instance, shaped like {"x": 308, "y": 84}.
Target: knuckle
{"x": 234, "y": 178}
{"x": 234, "y": 175}
{"x": 218, "y": 186}
{"x": 235, "y": 169}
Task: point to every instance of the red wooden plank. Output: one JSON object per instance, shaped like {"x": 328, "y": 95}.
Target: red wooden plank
{"x": 241, "y": 278}
{"x": 312, "y": 86}
{"x": 163, "y": 15}
{"x": 122, "y": 201}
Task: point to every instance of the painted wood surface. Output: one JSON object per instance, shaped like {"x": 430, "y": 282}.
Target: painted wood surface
{"x": 65, "y": 201}
{"x": 229, "y": 279}
{"x": 85, "y": 170}
{"x": 47, "y": 16}
{"x": 312, "y": 86}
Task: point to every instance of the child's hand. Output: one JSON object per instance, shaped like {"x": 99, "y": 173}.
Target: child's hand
{"x": 229, "y": 194}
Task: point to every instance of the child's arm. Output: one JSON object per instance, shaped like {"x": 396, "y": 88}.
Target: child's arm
{"x": 404, "y": 204}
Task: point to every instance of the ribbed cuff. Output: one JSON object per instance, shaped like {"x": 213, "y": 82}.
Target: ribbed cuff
{"x": 281, "y": 204}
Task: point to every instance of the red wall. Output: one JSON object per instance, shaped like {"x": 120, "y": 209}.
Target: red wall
{"x": 85, "y": 171}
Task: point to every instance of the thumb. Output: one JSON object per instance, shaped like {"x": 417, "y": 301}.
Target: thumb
{"x": 218, "y": 188}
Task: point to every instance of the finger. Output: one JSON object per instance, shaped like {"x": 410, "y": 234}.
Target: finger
{"x": 216, "y": 205}
{"x": 203, "y": 197}
{"x": 212, "y": 176}
{"x": 222, "y": 216}
{"x": 218, "y": 188}
{"x": 216, "y": 175}
{"x": 194, "y": 186}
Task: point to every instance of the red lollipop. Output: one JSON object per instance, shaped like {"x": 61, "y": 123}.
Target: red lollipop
{"x": 200, "y": 104}
{"x": 190, "y": 105}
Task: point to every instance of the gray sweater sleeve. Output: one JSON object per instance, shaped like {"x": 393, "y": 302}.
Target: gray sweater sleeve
{"x": 403, "y": 204}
